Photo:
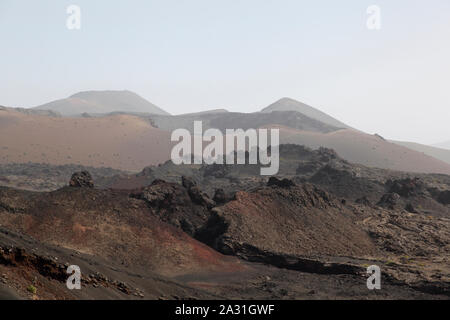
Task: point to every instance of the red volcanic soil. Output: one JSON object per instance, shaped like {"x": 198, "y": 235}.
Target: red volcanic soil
{"x": 111, "y": 225}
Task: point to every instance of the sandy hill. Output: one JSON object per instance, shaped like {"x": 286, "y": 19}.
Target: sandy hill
{"x": 122, "y": 142}
{"x": 102, "y": 102}
{"x": 128, "y": 142}
{"x": 445, "y": 145}
{"x": 438, "y": 153}
{"x": 287, "y": 104}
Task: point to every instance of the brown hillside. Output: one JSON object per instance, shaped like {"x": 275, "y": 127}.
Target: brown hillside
{"x": 121, "y": 142}
{"x": 110, "y": 225}
{"x": 369, "y": 150}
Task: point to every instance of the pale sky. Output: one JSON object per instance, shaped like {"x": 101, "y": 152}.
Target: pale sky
{"x": 242, "y": 55}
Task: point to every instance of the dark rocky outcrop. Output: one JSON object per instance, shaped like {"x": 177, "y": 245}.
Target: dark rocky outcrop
{"x": 146, "y": 172}
{"x": 406, "y": 187}
{"x": 444, "y": 197}
{"x": 389, "y": 200}
{"x": 345, "y": 182}
{"x": 81, "y": 179}
{"x": 197, "y": 196}
{"x": 215, "y": 170}
{"x": 410, "y": 208}
{"x": 285, "y": 183}
{"x": 364, "y": 201}
{"x": 183, "y": 206}
{"x": 221, "y": 197}
{"x": 327, "y": 155}
{"x": 187, "y": 183}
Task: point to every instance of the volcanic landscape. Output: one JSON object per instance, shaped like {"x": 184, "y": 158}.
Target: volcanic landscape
{"x": 99, "y": 191}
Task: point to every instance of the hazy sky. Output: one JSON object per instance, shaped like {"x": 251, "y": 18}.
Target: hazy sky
{"x": 242, "y": 55}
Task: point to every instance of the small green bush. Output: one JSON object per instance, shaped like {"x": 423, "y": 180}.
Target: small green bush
{"x": 32, "y": 289}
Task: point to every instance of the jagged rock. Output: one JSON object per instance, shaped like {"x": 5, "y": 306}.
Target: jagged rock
{"x": 82, "y": 179}
{"x": 327, "y": 154}
{"x": 410, "y": 208}
{"x": 187, "y": 183}
{"x": 344, "y": 181}
{"x": 406, "y": 187}
{"x": 200, "y": 197}
{"x": 196, "y": 195}
{"x": 364, "y": 201}
{"x": 389, "y": 200}
{"x": 187, "y": 209}
{"x": 285, "y": 183}
{"x": 221, "y": 197}
{"x": 444, "y": 197}
{"x": 160, "y": 194}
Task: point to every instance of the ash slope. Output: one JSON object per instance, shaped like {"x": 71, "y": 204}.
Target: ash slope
{"x": 121, "y": 142}
{"x": 130, "y": 142}
{"x": 440, "y": 153}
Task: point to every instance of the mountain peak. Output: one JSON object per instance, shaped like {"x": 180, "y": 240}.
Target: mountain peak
{"x": 106, "y": 101}
{"x": 289, "y": 100}
{"x": 289, "y": 104}
{"x": 91, "y": 93}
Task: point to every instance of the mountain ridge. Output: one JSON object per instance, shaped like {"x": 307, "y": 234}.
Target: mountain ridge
{"x": 445, "y": 145}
